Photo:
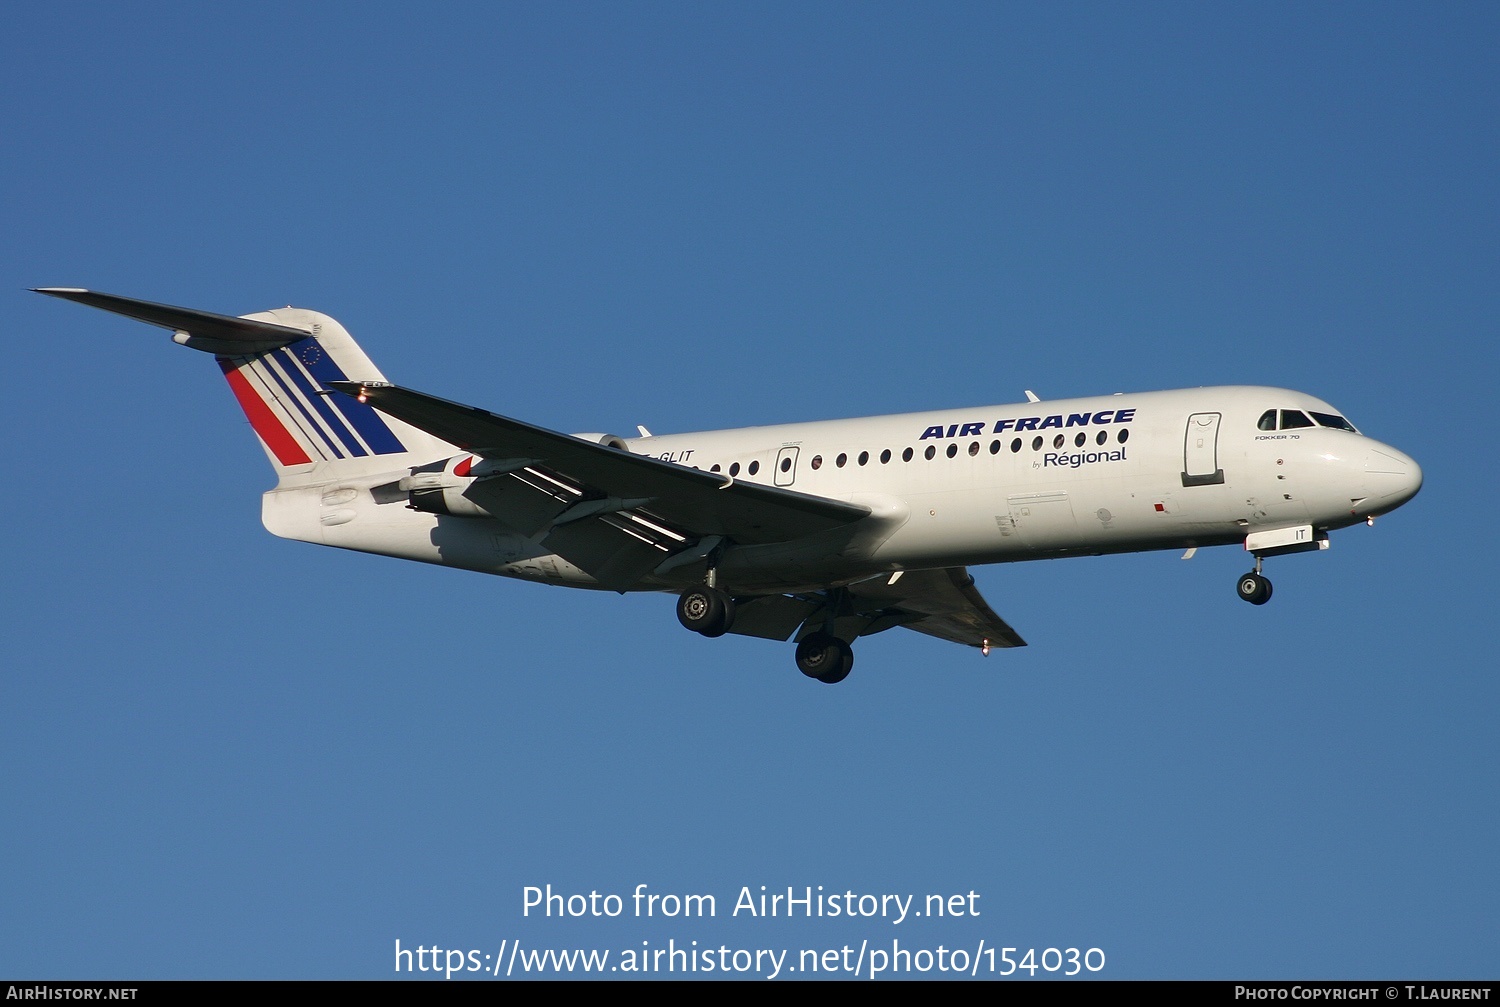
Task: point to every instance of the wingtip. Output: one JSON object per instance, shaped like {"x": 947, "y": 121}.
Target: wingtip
{"x": 59, "y": 291}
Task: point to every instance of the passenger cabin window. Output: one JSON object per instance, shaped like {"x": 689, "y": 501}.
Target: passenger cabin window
{"x": 1267, "y": 420}
{"x": 1293, "y": 419}
{"x": 1334, "y": 421}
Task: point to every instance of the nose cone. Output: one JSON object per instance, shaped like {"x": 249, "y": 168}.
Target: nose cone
{"x": 1391, "y": 479}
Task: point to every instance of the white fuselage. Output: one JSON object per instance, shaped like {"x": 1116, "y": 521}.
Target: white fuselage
{"x": 1109, "y": 474}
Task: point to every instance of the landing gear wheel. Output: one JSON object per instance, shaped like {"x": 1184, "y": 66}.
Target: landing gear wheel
{"x": 1254, "y": 588}
{"x": 824, "y": 657}
{"x": 845, "y": 666}
{"x": 706, "y": 610}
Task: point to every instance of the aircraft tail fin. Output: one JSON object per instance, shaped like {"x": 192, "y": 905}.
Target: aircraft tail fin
{"x": 279, "y": 365}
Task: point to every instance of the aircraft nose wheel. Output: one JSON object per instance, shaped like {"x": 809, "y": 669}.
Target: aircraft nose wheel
{"x": 1254, "y": 588}
{"x": 825, "y": 657}
{"x": 706, "y": 610}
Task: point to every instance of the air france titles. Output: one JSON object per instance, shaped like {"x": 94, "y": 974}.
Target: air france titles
{"x": 1103, "y": 417}
{"x": 1057, "y": 421}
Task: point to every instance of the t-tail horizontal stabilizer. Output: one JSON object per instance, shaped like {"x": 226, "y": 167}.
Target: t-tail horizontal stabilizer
{"x": 201, "y": 330}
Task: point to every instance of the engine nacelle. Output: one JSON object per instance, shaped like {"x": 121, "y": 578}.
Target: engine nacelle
{"x": 447, "y": 500}
{"x": 608, "y": 440}
{"x": 442, "y": 492}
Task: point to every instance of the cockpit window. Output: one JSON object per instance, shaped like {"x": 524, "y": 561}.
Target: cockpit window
{"x": 1267, "y": 420}
{"x": 1291, "y": 419}
{"x": 1332, "y": 420}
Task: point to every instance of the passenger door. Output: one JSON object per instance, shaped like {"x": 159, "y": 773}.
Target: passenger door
{"x": 1200, "y": 451}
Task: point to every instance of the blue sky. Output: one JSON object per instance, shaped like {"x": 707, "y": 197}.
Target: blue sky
{"x": 232, "y": 756}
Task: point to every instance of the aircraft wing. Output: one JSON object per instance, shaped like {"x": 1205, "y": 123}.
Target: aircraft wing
{"x": 941, "y": 603}
{"x": 614, "y": 514}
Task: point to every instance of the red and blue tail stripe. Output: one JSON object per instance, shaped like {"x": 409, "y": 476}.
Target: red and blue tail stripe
{"x": 371, "y": 426}
{"x": 271, "y": 430}
{"x": 282, "y": 394}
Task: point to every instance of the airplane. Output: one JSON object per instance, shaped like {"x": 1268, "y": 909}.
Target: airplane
{"x": 824, "y": 531}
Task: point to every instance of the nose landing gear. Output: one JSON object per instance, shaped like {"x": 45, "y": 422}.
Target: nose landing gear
{"x": 1253, "y": 587}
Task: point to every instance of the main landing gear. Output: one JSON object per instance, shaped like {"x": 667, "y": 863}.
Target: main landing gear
{"x": 1253, "y": 587}
{"x": 708, "y": 611}
{"x": 825, "y": 657}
